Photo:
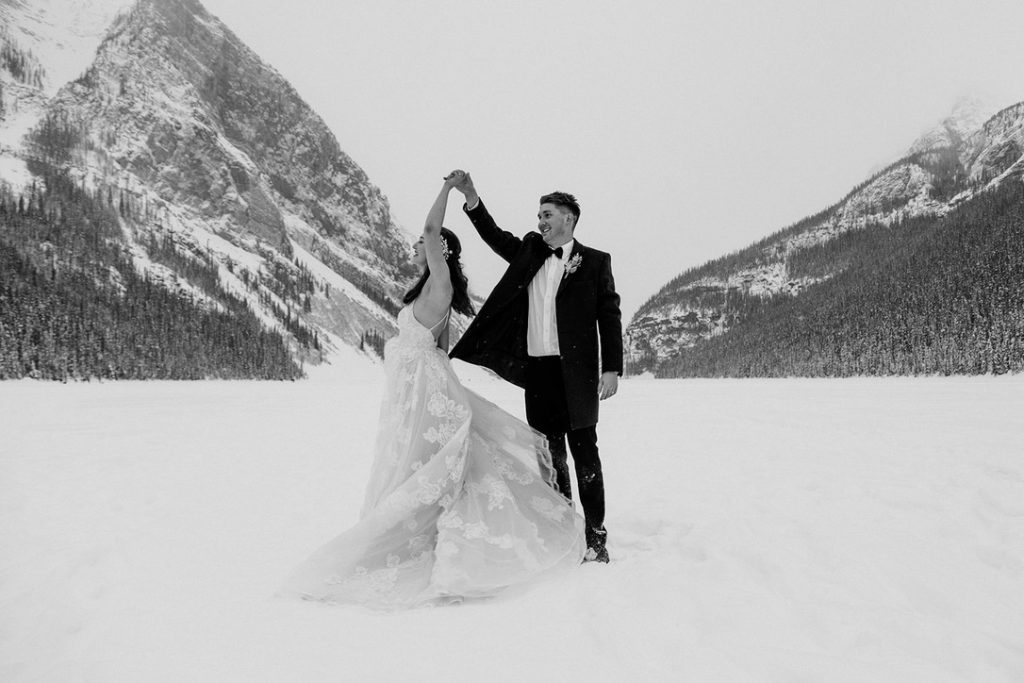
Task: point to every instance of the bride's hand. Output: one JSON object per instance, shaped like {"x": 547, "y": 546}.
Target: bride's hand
{"x": 458, "y": 179}
{"x": 453, "y": 179}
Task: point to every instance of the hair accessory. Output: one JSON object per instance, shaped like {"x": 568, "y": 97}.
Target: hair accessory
{"x": 444, "y": 248}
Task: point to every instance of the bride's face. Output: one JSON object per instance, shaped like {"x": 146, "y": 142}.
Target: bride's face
{"x": 419, "y": 256}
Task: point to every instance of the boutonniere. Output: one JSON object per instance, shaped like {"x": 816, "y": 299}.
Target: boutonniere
{"x": 572, "y": 264}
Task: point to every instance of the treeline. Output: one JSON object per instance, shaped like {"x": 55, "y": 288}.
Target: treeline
{"x": 72, "y": 305}
{"x": 757, "y": 254}
{"x": 288, "y": 283}
{"x": 948, "y": 178}
{"x": 55, "y": 137}
{"x": 925, "y": 296}
{"x": 364, "y": 283}
{"x": 372, "y": 340}
{"x": 23, "y": 66}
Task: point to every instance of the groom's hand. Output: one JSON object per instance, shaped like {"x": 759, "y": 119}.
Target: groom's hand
{"x": 463, "y": 182}
{"x": 608, "y": 385}
{"x": 455, "y": 179}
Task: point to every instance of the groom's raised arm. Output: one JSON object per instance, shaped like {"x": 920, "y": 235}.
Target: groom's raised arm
{"x": 503, "y": 243}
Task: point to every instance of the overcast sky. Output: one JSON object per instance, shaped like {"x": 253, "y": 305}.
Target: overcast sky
{"x": 686, "y": 129}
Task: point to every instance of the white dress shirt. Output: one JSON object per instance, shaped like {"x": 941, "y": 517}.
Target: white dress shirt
{"x": 542, "y": 330}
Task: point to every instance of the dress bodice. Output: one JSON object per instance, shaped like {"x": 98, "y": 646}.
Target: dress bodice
{"x": 412, "y": 335}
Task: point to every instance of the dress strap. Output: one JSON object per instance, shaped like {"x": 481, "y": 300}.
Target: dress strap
{"x": 443, "y": 319}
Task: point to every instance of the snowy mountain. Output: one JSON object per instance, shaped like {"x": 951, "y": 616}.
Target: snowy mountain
{"x": 206, "y": 151}
{"x": 960, "y": 161}
{"x": 968, "y": 117}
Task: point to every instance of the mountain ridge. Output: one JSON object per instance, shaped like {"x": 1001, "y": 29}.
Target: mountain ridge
{"x": 940, "y": 172}
{"x": 203, "y": 144}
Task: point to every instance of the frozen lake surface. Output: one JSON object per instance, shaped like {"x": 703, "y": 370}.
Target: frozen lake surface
{"x": 833, "y": 530}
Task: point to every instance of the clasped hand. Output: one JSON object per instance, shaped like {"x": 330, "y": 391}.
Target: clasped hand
{"x": 460, "y": 180}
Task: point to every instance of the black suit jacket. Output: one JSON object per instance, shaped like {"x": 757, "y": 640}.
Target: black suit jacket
{"x": 587, "y": 310}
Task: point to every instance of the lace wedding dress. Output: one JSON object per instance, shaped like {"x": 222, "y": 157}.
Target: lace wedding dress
{"x": 459, "y": 502}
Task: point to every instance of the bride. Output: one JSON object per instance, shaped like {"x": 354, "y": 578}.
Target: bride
{"x": 461, "y": 500}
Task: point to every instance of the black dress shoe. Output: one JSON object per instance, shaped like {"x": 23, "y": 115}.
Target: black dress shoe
{"x": 597, "y": 550}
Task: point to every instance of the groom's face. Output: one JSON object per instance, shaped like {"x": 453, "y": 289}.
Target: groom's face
{"x": 555, "y": 224}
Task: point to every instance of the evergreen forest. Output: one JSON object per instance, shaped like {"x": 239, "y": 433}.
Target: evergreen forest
{"x": 73, "y": 306}
{"x": 926, "y": 295}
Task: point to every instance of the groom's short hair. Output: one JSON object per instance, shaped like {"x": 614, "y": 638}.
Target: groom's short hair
{"x": 564, "y": 200}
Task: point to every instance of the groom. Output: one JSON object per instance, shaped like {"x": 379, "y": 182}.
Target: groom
{"x": 552, "y": 325}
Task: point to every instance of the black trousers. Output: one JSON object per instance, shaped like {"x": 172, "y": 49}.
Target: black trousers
{"x": 547, "y": 411}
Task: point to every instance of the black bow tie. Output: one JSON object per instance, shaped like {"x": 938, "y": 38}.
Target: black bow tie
{"x": 557, "y": 251}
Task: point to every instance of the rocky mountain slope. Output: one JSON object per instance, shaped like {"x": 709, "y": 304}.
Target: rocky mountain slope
{"x": 205, "y": 150}
{"x": 949, "y": 166}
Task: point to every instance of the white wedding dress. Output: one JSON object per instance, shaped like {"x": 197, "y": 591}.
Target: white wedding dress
{"x": 459, "y": 503}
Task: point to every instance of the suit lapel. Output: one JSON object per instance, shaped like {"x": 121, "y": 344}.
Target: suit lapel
{"x": 540, "y": 253}
{"x": 576, "y": 246}
{"x": 521, "y": 272}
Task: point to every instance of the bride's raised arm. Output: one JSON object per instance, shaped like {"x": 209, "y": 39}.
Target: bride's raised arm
{"x": 432, "y": 237}
{"x": 438, "y": 292}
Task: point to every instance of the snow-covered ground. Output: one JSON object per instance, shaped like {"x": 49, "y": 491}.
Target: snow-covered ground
{"x": 775, "y": 530}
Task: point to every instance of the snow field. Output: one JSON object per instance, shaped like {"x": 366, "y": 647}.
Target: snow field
{"x": 865, "y": 529}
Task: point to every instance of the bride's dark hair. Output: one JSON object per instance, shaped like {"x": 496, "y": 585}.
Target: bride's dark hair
{"x": 460, "y": 285}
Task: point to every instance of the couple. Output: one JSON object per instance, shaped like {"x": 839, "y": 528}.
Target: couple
{"x": 464, "y": 500}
